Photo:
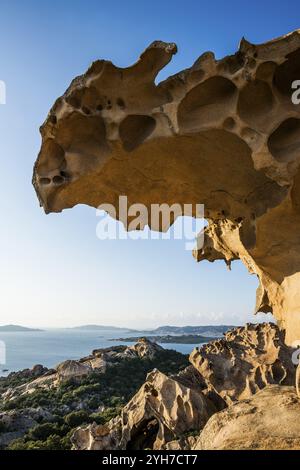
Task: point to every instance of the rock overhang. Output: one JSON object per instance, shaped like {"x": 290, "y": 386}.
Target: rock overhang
{"x": 224, "y": 133}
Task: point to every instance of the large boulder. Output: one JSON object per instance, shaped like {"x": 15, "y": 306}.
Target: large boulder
{"x": 245, "y": 361}
{"x": 161, "y": 411}
{"x": 269, "y": 420}
{"x": 71, "y": 369}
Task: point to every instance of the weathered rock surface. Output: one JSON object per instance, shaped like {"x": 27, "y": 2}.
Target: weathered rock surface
{"x": 143, "y": 348}
{"x": 224, "y": 133}
{"x": 161, "y": 411}
{"x": 245, "y": 361}
{"x": 71, "y": 369}
{"x": 222, "y": 372}
{"x": 17, "y": 422}
{"x": 267, "y": 421}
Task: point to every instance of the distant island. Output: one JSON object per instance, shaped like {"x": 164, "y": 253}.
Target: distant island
{"x": 100, "y": 327}
{"x": 15, "y": 328}
{"x": 211, "y": 331}
{"x": 178, "y": 339}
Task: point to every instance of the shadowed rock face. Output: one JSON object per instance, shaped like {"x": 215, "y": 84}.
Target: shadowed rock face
{"x": 224, "y": 133}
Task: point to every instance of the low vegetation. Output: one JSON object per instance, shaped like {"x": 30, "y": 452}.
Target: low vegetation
{"x": 97, "y": 397}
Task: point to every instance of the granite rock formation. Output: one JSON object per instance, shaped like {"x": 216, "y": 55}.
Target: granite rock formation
{"x": 161, "y": 411}
{"x": 233, "y": 370}
{"x": 223, "y": 133}
{"x": 245, "y": 361}
{"x": 143, "y": 348}
{"x": 71, "y": 369}
{"x": 267, "y": 421}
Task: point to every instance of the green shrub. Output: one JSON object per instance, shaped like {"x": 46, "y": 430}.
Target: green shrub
{"x": 43, "y": 431}
{"x": 76, "y": 418}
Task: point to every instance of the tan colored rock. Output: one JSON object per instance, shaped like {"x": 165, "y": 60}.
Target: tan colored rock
{"x": 224, "y": 133}
{"x": 71, "y": 369}
{"x": 143, "y": 348}
{"x": 161, "y": 411}
{"x": 96, "y": 437}
{"x": 269, "y": 420}
{"x": 245, "y": 361}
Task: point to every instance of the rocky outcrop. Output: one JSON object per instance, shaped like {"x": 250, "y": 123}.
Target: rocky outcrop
{"x": 267, "y": 421}
{"x": 71, "y": 369}
{"x": 143, "y": 348}
{"x": 106, "y": 357}
{"x": 16, "y": 423}
{"x": 40, "y": 377}
{"x": 245, "y": 361}
{"x": 222, "y": 372}
{"x": 161, "y": 411}
{"x": 224, "y": 133}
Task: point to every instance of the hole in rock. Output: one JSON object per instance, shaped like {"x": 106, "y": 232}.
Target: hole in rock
{"x": 206, "y": 102}
{"x": 284, "y": 143}
{"x": 57, "y": 179}
{"x": 265, "y": 71}
{"x": 255, "y": 100}
{"x": 144, "y": 435}
{"x": 44, "y": 181}
{"x": 287, "y": 72}
{"x": 134, "y": 129}
{"x": 120, "y": 103}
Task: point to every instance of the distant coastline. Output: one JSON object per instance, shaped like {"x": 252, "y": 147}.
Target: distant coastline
{"x": 100, "y": 327}
{"x": 16, "y": 328}
{"x": 175, "y": 339}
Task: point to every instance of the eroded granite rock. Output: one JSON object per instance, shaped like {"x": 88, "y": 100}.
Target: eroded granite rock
{"x": 269, "y": 420}
{"x": 245, "y": 361}
{"x": 161, "y": 411}
{"x": 224, "y": 133}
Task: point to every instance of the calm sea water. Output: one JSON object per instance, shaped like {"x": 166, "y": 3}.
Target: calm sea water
{"x": 50, "y": 347}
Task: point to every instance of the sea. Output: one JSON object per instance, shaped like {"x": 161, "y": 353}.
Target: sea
{"x": 24, "y": 349}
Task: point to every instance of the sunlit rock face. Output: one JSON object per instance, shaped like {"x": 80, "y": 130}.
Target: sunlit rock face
{"x": 266, "y": 421}
{"x": 223, "y": 133}
{"x": 162, "y": 410}
{"x": 245, "y": 361}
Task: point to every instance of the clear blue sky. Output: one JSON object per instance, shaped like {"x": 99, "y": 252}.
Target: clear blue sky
{"x": 54, "y": 271}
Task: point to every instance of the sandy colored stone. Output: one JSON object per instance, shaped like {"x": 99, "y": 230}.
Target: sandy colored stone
{"x": 269, "y": 420}
{"x": 162, "y": 410}
{"x": 246, "y": 360}
{"x": 71, "y": 369}
{"x": 143, "y": 348}
{"x": 224, "y": 133}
